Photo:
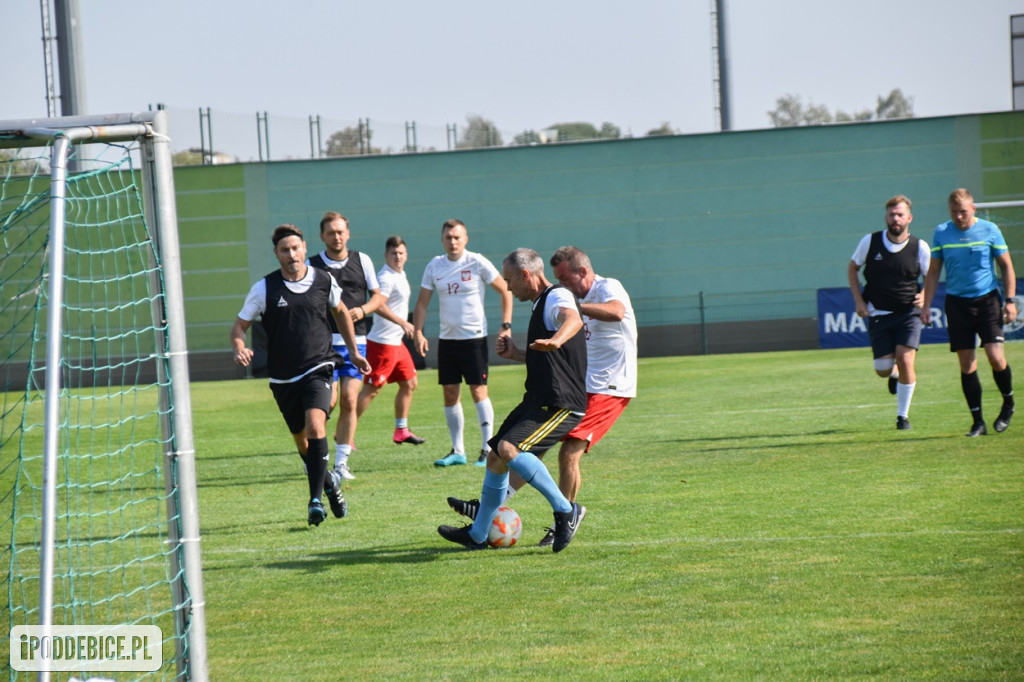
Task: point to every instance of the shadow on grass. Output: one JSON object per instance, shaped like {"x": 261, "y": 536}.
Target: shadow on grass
{"x": 799, "y": 442}
{"x": 383, "y": 555}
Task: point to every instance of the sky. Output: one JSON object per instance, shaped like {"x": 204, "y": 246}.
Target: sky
{"x": 524, "y": 65}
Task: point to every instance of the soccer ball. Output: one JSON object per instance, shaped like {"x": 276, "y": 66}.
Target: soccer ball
{"x": 505, "y": 528}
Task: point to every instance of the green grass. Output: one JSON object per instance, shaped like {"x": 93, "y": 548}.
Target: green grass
{"x": 750, "y": 517}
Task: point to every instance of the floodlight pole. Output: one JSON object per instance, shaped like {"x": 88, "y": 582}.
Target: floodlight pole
{"x": 70, "y": 60}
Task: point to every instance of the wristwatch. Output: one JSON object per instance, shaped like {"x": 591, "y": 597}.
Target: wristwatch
{"x": 506, "y": 325}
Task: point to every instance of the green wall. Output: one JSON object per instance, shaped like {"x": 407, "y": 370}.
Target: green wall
{"x": 727, "y": 213}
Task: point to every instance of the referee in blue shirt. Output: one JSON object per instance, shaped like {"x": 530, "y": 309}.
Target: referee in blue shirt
{"x": 968, "y": 246}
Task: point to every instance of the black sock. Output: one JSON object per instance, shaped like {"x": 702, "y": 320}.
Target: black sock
{"x": 316, "y": 466}
{"x": 1004, "y": 380}
{"x": 971, "y": 385}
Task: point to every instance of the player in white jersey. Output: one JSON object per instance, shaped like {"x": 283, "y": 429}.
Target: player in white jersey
{"x": 610, "y": 329}
{"x": 459, "y": 277}
{"x": 385, "y": 347}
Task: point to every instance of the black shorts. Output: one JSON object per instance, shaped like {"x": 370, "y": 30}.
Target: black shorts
{"x": 531, "y": 428}
{"x": 967, "y": 318}
{"x": 459, "y": 359}
{"x": 895, "y": 329}
{"x": 309, "y": 392}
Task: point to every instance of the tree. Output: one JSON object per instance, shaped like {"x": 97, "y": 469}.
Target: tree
{"x": 569, "y": 132}
{"x": 790, "y": 111}
{"x": 609, "y": 130}
{"x": 187, "y": 157}
{"x": 527, "y": 137}
{"x": 479, "y": 132}
{"x": 193, "y": 156}
{"x": 663, "y": 129}
{"x": 10, "y": 164}
{"x": 895, "y": 105}
{"x": 351, "y": 141}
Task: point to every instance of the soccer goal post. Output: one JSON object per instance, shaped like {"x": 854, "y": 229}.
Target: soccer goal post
{"x": 98, "y": 507}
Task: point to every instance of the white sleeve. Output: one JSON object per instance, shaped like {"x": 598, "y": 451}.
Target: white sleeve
{"x": 557, "y": 299}
{"x": 612, "y": 290}
{"x": 255, "y": 301}
{"x": 924, "y": 256}
{"x": 427, "y": 281}
{"x": 369, "y": 272}
{"x": 861, "y": 254}
{"x": 334, "y": 298}
{"x": 386, "y": 284}
{"x": 488, "y": 272}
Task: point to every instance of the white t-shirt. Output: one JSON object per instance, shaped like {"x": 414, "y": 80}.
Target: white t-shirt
{"x": 611, "y": 346}
{"x": 368, "y": 275}
{"x": 860, "y": 255}
{"x": 460, "y": 285}
{"x": 559, "y": 298}
{"x": 394, "y": 285}
{"x": 256, "y": 299}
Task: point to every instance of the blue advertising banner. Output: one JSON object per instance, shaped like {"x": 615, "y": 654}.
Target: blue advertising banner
{"x": 839, "y": 326}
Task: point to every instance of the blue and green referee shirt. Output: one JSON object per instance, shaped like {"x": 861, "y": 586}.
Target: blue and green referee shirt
{"x": 969, "y": 256}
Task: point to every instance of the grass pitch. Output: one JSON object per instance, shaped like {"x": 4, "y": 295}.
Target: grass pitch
{"x": 749, "y": 517}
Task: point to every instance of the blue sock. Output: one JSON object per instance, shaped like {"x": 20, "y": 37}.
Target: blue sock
{"x": 491, "y": 497}
{"x": 536, "y": 474}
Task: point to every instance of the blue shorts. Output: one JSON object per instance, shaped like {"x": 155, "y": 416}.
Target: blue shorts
{"x": 347, "y": 369}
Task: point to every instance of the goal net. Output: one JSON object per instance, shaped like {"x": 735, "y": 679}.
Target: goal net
{"x": 98, "y": 520}
{"x": 1009, "y": 216}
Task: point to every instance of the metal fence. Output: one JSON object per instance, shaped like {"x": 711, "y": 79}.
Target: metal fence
{"x": 228, "y": 137}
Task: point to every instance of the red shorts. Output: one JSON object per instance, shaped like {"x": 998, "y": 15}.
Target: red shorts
{"x": 389, "y": 363}
{"x": 602, "y": 411}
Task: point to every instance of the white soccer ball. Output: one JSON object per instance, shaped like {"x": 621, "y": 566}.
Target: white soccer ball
{"x": 505, "y": 528}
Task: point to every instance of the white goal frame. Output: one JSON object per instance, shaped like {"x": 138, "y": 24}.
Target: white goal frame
{"x": 149, "y": 130}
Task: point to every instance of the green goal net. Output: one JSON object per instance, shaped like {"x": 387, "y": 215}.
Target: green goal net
{"x": 98, "y": 523}
{"x": 1009, "y": 216}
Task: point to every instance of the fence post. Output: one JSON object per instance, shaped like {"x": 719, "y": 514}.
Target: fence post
{"x": 703, "y": 325}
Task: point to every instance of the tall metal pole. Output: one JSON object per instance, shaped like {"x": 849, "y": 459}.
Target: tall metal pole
{"x": 723, "y": 66}
{"x": 51, "y": 90}
{"x": 69, "y": 57}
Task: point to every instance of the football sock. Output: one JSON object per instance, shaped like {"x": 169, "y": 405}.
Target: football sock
{"x": 456, "y": 423}
{"x": 485, "y": 415}
{"x": 316, "y": 466}
{"x": 536, "y": 474}
{"x": 341, "y": 453}
{"x": 904, "y": 394}
{"x": 1004, "y": 381}
{"x": 971, "y": 385}
{"x": 509, "y": 492}
{"x": 491, "y": 495}
{"x": 401, "y": 422}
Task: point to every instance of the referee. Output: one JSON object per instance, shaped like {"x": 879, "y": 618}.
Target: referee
{"x": 967, "y": 246}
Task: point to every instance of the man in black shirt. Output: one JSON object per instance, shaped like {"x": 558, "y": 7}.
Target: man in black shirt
{"x": 894, "y": 262}
{"x": 554, "y": 402}
{"x": 295, "y": 302}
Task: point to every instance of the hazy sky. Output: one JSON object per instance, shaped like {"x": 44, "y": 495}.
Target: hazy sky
{"x": 523, "y": 65}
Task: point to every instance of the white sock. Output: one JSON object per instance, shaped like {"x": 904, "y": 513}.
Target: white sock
{"x": 456, "y": 423}
{"x": 401, "y": 422}
{"x": 904, "y": 392}
{"x": 509, "y": 492}
{"x": 341, "y": 453}
{"x": 485, "y": 415}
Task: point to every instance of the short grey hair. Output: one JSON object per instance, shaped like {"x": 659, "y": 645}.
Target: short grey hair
{"x": 525, "y": 259}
